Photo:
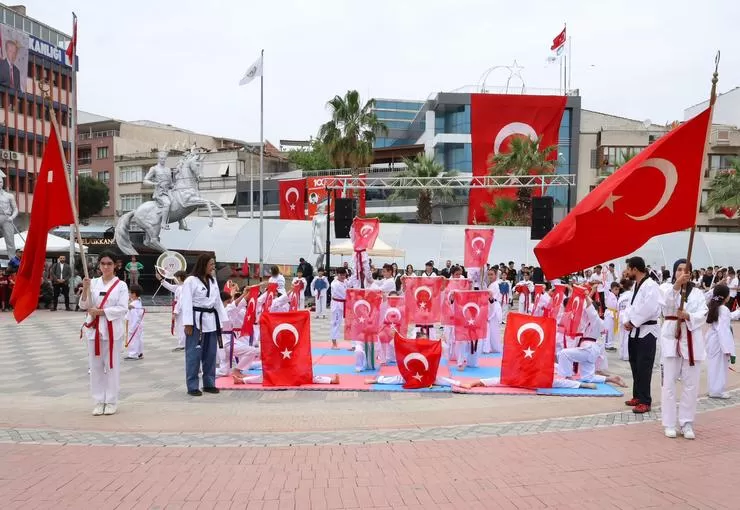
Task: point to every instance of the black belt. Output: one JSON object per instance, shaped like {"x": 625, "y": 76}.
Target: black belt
{"x": 200, "y": 324}
{"x": 646, "y": 323}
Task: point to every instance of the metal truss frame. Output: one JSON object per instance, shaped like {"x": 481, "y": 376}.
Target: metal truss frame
{"x": 455, "y": 182}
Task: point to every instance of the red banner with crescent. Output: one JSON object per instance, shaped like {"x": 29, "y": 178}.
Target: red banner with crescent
{"x": 285, "y": 344}
{"x": 418, "y": 361}
{"x": 495, "y": 119}
{"x": 364, "y": 233}
{"x": 393, "y": 319}
{"x": 423, "y": 303}
{"x": 471, "y": 315}
{"x": 250, "y": 312}
{"x": 574, "y": 310}
{"x": 271, "y": 293}
{"x": 558, "y": 296}
{"x": 478, "y": 244}
{"x": 362, "y": 314}
{"x": 448, "y": 309}
{"x": 292, "y": 199}
{"x": 529, "y": 351}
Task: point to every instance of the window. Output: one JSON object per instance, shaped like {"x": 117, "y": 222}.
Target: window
{"x": 704, "y": 200}
{"x": 102, "y": 152}
{"x": 39, "y": 148}
{"x": 129, "y": 174}
{"x": 130, "y": 202}
{"x": 84, "y": 173}
{"x": 31, "y": 183}
{"x": 720, "y": 161}
{"x": 104, "y": 176}
{"x": 84, "y": 157}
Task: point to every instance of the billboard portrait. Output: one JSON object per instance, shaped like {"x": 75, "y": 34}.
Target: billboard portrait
{"x": 13, "y": 58}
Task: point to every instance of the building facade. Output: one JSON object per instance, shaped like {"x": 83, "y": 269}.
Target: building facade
{"x": 38, "y": 55}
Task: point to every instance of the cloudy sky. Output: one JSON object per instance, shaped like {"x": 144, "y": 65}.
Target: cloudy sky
{"x": 179, "y": 61}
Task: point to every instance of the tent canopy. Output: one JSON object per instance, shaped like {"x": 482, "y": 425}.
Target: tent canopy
{"x": 285, "y": 241}
{"x": 380, "y": 249}
{"x": 54, "y": 244}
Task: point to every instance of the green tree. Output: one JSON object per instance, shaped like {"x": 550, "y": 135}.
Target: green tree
{"x": 622, "y": 159}
{"x": 389, "y": 218}
{"x": 93, "y": 196}
{"x": 424, "y": 166}
{"x": 505, "y": 213}
{"x": 725, "y": 190}
{"x": 524, "y": 158}
{"x": 311, "y": 158}
{"x": 349, "y": 136}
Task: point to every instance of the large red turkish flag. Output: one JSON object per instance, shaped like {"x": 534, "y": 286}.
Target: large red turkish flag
{"x": 285, "y": 341}
{"x": 418, "y": 361}
{"x": 556, "y": 302}
{"x": 364, "y": 233}
{"x": 478, "y": 244}
{"x": 574, "y": 310}
{"x": 448, "y": 309}
{"x": 471, "y": 315}
{"x": 494, "y": 120}
{"x": 654, "y": 193}
{"x": 250, "y": 314}
{"x": 393, "y": 319}
{"x": 51, "y": 208}
{"x": 529, "y": 351}
{"x": 423, "y": 299}
{"x": 292, "y": 193}
{"x": 362, "y": 314}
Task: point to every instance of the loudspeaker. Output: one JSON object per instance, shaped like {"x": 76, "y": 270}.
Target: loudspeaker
{"x": 345, "y": 210}
{"x": 541, "y": 217}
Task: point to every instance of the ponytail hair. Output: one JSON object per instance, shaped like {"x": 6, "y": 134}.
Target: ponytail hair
{"x": 720, "y": 294}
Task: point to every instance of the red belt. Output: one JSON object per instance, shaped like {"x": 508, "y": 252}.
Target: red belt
{"x": 96, "y": 324}
{"x": 689, "y": 339}
{"x": 172, "y": 317}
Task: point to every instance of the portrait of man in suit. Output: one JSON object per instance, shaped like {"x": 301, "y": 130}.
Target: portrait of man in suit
{"x": 10, "y": 75}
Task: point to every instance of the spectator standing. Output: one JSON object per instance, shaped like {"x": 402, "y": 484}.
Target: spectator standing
{"x": 134, "y": 269}
{"x": 61, "y": 273}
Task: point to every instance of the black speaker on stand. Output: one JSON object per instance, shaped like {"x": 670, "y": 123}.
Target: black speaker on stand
{"x": 345, "y": 210}
{"x": 541, "y": 216}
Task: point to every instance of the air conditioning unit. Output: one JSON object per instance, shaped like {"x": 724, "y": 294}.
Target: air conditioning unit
{"x": 723, "y": 136}
{"x": 5, "y": 155}
{"x": 15, "y": 156}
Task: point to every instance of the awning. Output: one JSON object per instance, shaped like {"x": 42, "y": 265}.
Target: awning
{"x": 54, "y": 244}
{"x": 221, "y": 197}
{"x": 380, "y": 249}
{"x": 213, "y": 170}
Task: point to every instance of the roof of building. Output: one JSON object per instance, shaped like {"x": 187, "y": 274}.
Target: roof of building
{"x": 652, "y": 125}
{"x": 732, "y": 90}
{"x": 159, "y": 125}
{"x": 88, "y": 118}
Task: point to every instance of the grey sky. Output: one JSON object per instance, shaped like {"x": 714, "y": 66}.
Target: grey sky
{"x": 179, "y": 61}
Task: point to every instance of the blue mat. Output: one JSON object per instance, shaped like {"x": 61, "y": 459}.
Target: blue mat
{"x": 323, "y": 369}
{"x": 602, "y": 390}
{"x": 398, "y": 387}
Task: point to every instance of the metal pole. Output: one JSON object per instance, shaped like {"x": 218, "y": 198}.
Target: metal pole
{"x": 262, "y": 157}
{"x": 570, "y": 61}
{"x": 251, "y": 186}
{"x": 568, "y": 198}
{"x": 328, "y": 230}
{"x": 73, "y": 147}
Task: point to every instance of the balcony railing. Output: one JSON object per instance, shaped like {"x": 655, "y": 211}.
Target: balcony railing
{"x": 99, "y": 134}
{"x": 84, "y": 161}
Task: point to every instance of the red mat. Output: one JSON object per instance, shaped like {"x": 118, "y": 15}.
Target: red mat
{"x": 347, "y": 383}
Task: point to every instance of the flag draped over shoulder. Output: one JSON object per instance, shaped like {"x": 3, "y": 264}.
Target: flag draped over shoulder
{"x": 51, "y": 208}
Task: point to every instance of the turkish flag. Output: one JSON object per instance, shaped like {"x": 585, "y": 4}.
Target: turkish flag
{"x": 292, "y": 193}
{"x": 245, "y": 268}
{"x": 494, "y": 120}
{"x": 51, "y": 209}
{"x": 558, "y": 41}
{"x": 72, "y": 48}
{"x": 423, "y": 299}
{"x": 418, "y": 361}
{"x": 271, "y": 292}
{"x": 654, "y": 193}
{"x": 285, "y": 342}
{"x": 393, "y": 319}
{"x": 529, "y": 351}
{"x": 362, "y": 314}
{"x": 250, "y": 314}
{"x": 478, "y": 244}
{"x": 448, "y": 309}
{"x": 471, "y": 315}
{"x": 539, "y": 289}
{"x": 574, "y": 310}
{"x": 364, "y": 233}
{"x": 557, "y": 300}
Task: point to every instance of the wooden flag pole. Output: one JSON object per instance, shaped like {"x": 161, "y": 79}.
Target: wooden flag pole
{"x": 705, "y": 162}
{"x": 45, "y": 88}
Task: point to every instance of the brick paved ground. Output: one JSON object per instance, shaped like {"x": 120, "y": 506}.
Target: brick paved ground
{"x": 620, "y": 467}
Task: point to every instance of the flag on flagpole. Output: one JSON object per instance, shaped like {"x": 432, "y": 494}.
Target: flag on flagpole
{"x": 254, "y": 71}
{"x": 559, "y": 42}
{"x": 72, "y": 48}
{"x": 51, "y": 208}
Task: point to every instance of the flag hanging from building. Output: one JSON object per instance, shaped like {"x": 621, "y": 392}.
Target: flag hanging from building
{"x": 254, "y": 71}
{"x": 559, "y": 42}
{"x": 292, "y": 199}
{"x": 51, "y": 209}
{"x": 654, "y": 193}
{"x": 72, "y": 48}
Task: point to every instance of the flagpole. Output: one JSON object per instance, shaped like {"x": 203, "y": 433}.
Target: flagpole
{"x": 262, "y": 160}
{"x": 705, "y": 161}
{"x": 570, "y": 60}
{"x": 45, "y": 90}
{"x": 73, "y": 145}
{"x": 251, "y": 187}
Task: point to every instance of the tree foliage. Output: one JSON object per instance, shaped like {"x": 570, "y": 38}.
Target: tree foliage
{"x": 311, "y": 158}
{"x": 725, "y": 190}
{"x": 93, "y": 195}
{"x": 424, "y": 166}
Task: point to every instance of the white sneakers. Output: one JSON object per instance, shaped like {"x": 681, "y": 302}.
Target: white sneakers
{"x": 670, "y": 432}
{"x": 688, "y": 431}
{"x": 107, "y": 409}
{"x": 724, "y": 395}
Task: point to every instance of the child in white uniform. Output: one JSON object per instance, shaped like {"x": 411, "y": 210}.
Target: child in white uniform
{"x": 176, "y": 327}
{"x": 720, "y": 341}
{"x": 135, "y": 319}
{"x": 623, "y": 304}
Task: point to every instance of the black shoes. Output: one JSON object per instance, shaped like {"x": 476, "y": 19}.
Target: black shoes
{"x": 195, "y": 393}
{"x": 211, "y": 390}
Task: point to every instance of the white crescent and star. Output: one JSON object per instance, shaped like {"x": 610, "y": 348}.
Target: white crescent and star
{"x": 426, "y": 289}
{"x": 416, "y": 356}
{"x": 528, "y": 352}
{"x": 670, "y": 173}
{"x": 291, "y": 191}
{"x": 365, "y": 304}
{"x": 514, "y": 128}
{"x": 392, "y": 312}
{"x": 474, "y": 241}
{"x": 290, "y": 329}
{"x": 473, "y": 306}
{"x": 366, "y": 230}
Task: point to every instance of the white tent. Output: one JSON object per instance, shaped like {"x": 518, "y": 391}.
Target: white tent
{"x": 380, "y": 249}
{"x": 285, "y": 241}
{"x": 54, "y": 244}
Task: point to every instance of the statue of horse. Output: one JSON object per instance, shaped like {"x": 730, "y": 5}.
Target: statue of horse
{"x": 185, "y": 200}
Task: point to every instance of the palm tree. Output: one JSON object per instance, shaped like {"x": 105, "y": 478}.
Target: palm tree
{"x": 624, "y": 157}
{"x": 505, "y": 212}
{"x": 725, "y": 191}
{"x": 524, "y": 158}
{"x": 423, "y": 166}
{"x": 348, "y": 137}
